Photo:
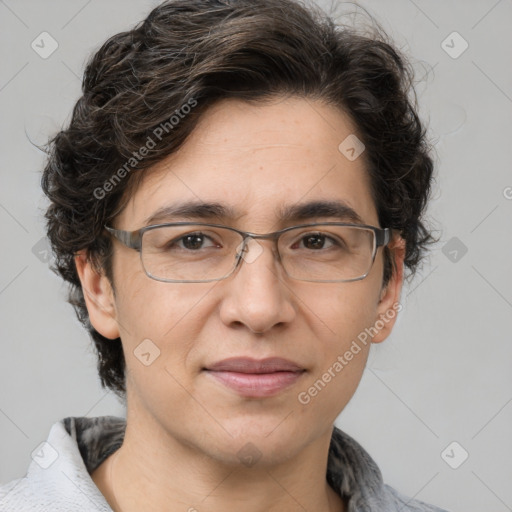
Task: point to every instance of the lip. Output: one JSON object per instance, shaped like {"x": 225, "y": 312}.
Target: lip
{"x": 256, "y": 378}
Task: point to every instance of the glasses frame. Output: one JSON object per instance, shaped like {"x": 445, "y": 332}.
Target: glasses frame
{"x": 133, "y": 240}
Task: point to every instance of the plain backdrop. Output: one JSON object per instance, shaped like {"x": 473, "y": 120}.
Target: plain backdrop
{"x": 444, "y": 375}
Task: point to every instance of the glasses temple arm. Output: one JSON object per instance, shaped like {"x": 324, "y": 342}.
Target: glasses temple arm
{"x": 131, "y": 239}
{"x": 383, "y": 237}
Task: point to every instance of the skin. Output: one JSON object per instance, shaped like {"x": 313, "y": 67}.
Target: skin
{"x": 184, "y": 429}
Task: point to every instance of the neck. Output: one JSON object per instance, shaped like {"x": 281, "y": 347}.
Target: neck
{"x": 152, "y": 471}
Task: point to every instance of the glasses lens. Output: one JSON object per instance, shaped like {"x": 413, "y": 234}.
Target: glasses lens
{"x": 327, "y": 253}
{"x": 199, "y": 253}
{"x": 189, "y": 253}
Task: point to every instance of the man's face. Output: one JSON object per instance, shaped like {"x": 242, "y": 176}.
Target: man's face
{"x": 254, "y": 160}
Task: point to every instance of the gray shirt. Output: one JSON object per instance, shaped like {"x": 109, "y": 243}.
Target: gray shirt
{"x": 58, "y": 478}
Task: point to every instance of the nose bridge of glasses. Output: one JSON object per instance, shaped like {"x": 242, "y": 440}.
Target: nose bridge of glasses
{"x": 252, "y": 246}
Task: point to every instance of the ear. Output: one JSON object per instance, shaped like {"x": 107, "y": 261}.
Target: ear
{"x": 99, "y": 297}
{"x": 389, "y": 301}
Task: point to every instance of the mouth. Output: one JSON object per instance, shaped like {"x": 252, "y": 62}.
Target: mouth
{"x": 254, "y": 378}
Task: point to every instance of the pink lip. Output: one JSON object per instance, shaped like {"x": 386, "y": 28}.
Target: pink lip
{"x": 256, "y": 378}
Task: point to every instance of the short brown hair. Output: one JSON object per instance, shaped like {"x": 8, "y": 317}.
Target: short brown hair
{"x": 202, "y": 51}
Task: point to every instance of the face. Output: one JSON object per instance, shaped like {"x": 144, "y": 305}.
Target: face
{"x": 256, "y": 161}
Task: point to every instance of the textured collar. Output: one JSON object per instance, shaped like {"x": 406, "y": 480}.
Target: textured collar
{"x": 58, "y": 479}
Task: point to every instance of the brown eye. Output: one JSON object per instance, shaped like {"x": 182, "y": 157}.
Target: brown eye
{"x": 315, "y": 242}
{"x": 193, "y": 241}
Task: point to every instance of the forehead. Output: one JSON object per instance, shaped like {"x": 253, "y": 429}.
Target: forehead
{"x": 258, "y": 160}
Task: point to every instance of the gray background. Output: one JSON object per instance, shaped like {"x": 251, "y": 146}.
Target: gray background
{"x": 445, "y": 373}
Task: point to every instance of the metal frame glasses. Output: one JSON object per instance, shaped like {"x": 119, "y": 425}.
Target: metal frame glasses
{"x": 135, "y": 240}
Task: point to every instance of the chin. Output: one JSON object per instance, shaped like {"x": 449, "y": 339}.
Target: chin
{"x": 266, "y": 441}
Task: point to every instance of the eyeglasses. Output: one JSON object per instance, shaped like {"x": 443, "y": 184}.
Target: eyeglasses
{"x": 187, "y": 252}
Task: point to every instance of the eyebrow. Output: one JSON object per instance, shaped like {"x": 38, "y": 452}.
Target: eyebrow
{"x": 320, "y": 209}
{"x": 192, "y": 210}
{"x": 198, "y": 210}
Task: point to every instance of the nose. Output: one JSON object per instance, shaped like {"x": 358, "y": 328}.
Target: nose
{"x": 256, "y": 295}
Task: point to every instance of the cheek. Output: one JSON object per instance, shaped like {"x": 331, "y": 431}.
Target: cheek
{"x": 333, "y": 382}
{"x": 341, "y": 310}
{"x": 342, "y": 315}
{"x": 146, "y": 308}
{"x": 163, "y": 319}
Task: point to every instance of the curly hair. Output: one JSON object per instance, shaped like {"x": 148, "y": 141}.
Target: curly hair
{"x": 194, "y": 53}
